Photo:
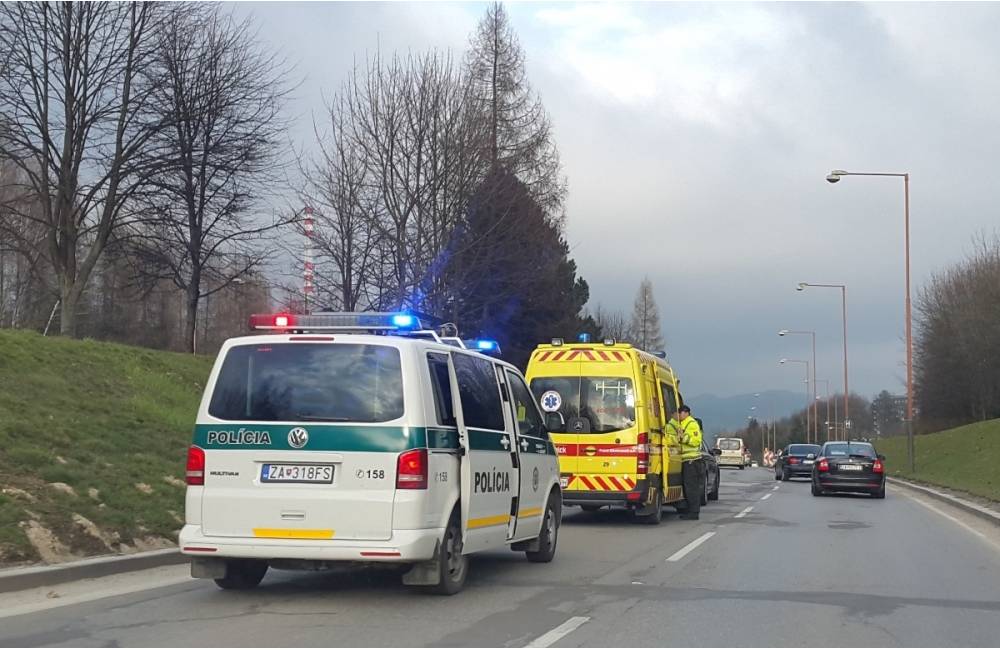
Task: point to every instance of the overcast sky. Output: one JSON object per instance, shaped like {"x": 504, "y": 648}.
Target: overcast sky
{"x": 695, "y": 139}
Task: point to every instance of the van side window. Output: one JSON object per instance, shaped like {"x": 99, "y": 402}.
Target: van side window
{"x": 529, "y": 421}
{"x": 441, "y": 387}
{"x": 479, "y": 392}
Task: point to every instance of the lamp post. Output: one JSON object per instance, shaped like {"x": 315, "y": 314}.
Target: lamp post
{"x": 809, "y": 400}
{"x": 834, "y": 177}
{"x": 843, "y": 302}
{"x": 815, "y": 418}
{"x": 826, "y": 382}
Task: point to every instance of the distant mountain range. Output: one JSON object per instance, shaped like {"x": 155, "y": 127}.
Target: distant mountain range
{"x": 730, "y": 413}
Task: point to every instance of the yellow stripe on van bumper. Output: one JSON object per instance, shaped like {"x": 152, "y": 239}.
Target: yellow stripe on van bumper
{"x": 530, "y": 512}
{"x": 293, "y": 533}
{"x": 483, "y": 522}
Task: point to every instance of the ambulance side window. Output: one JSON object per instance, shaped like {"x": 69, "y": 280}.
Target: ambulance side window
{"x": 441, "y": 387}
{"x": 479, "y": 392}
{"x": 670, "y": 399}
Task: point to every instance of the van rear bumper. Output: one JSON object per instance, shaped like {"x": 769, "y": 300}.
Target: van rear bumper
{"x": 403, "y": 546}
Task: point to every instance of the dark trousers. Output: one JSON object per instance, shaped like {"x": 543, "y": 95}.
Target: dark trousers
{"x": 693, "y": 472}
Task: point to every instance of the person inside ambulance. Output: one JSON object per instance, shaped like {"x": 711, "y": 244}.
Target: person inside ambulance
{"x": 693, "y": 470}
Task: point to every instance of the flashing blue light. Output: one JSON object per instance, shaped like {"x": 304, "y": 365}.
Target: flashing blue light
{"x": 403, "y": 320}
{"x": 584, "y": 338}
{"x": 485, "y": 345}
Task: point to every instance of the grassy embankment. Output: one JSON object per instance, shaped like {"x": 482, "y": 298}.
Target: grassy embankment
{"x": 965, "y": 458}
{"x": 92, "y": 445}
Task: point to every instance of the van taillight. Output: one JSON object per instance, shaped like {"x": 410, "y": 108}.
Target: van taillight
{"x": 642, "y": 454}
{"x": 411, "y": 470}
{"x": 196, "y": 466}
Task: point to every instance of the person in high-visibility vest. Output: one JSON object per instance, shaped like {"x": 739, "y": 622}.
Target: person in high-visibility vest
{"x": 693, "y": 468}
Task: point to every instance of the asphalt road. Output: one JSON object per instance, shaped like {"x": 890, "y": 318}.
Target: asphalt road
{"x": 793, "y": 570}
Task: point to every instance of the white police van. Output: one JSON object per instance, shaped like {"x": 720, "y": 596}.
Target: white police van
{"x": 341, "y": 437}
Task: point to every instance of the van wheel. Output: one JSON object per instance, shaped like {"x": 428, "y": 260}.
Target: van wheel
{"x": 454, "y": 566}
{"x": 242, "y": 574}
{"x": 656, "y": 515}
{"x": 549, "y": 535}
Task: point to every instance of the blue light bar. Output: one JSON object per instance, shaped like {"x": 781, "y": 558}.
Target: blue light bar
{"x": 403, "y": 321}
{"x": 583, "y": 338}
{"x": 486, "y": 345}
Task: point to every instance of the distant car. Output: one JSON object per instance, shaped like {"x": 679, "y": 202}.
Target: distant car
{"x": 795, "y": 460}
{"x": 849, "y": 467}
{"x": 710, "y": 457}
{"x": 733, "y": 452}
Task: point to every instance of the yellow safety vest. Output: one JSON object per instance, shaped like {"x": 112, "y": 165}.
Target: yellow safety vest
{"x": 689, "y": 434}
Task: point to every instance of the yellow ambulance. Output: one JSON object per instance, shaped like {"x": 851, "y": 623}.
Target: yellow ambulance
{"x": 606, "y": 406}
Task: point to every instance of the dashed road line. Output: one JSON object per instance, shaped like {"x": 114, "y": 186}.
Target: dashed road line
{"x": 679, "y": 555}
{"x": 744, "y": 512}
{"x": 559, "y": 632}
{"x": 775, "y": 488}
{"x": 766, "y": 497}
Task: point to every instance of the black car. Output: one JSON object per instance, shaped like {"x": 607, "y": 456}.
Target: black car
{"x": 711, "y": 474}
{"x": 849, "y": 467}
{"x": 795, "y": 460}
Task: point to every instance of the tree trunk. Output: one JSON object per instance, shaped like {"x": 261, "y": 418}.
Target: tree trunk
{"x": 191, "y": 299}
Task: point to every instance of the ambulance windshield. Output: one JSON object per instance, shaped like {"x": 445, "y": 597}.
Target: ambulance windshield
{"x": 587, "y": 404}
{"x": 302, "y": 382}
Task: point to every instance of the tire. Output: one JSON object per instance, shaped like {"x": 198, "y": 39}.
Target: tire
{"x": 816, "y": 492}
{"x": 549, "y": 536}
{"x": 784, "y": 475}
{"x": 242, "y": 574}
{"x": 742, "y": 467}
{"x": 879, "y": 493}
{"x": 656, "y": 516}
{"x": 590, "y": 508}
{"x": 714, "y": 494}
{"x": 453, "y": 566}
{"x": 704, "y": 493}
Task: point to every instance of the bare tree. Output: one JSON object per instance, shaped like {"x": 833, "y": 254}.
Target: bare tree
{"x": 73, "y": 100}
{"x": 611, "y": 324}
{"x": 220, "y": 95}
{"x": 520, "y": 137}
{"x": 645, "y": 326}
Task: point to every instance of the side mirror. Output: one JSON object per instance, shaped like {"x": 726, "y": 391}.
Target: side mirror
{"x": 810, "y": 456}
{"x": 716, "y": 451}
{"x": 880, "y": 457}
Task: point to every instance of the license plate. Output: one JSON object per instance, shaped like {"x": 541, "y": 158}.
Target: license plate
{"x": 808, "y": 462}
{"x": 288, "y": 473}
{"x": 852, "y": 468}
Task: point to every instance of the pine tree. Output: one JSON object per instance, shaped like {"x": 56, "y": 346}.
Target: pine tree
{"x": 645, "y": 328}
{"x": 520, "y": 136}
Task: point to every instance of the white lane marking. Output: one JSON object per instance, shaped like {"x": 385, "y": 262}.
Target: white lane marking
{"x": 744, "y": 512}
{"x": 557, "y": 633}
{"x": 765, "y": 497}
{"x": 775, "y": 488}
{"x": 957, "y": 521}
{"x": 679, "y": 555}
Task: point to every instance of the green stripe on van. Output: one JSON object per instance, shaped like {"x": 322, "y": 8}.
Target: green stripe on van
{"x": 322, "y": 437}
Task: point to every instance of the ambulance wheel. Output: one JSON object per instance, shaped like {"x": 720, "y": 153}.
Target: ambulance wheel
{"x": 654, "y": 517}
{"x": 242, "y": 574}
{"x": 549, "y": 535}
{"x": 454, "y": 566}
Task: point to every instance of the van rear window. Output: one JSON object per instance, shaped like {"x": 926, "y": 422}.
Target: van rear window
{"x": 730, "y": 444}
{"x": 309, "y": 382}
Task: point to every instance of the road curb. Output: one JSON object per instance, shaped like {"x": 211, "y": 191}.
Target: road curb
{"x": 98, "y": 567}
{"x": 982, "y": 512}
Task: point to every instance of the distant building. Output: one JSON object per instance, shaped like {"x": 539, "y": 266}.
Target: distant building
{"x": 888, "y": 414}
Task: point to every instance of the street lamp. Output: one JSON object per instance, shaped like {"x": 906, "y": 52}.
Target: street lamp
{"x": 815, "y": 417}
{"x": 826, "y": 383}
{"x": 809, "y": 400}
{"x": 834, "y": 177}
{"x": 843, "y": 302}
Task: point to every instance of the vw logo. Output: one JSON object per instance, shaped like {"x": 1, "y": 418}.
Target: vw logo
{"x": 298, "y": 437}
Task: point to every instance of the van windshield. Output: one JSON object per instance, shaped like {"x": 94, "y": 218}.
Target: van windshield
{"x": 309, "y": 382}
{"x": 586, "y": 404}
{"x": 730, "y": 444}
